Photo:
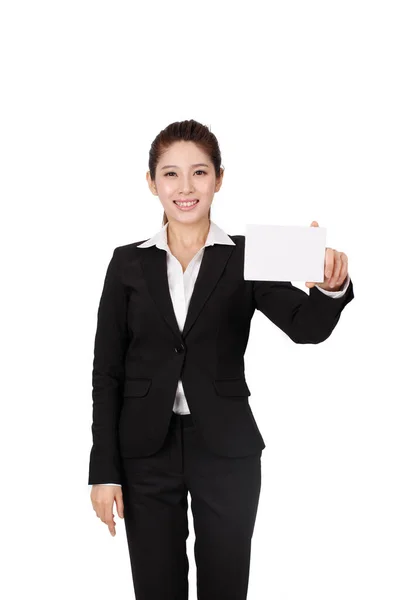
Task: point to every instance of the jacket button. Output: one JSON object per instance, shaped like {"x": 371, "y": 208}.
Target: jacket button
{"x": 180, "y": 348}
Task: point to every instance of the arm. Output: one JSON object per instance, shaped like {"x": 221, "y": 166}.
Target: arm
{"x": 305, "y": 318}
{"x": 110, "y": 345}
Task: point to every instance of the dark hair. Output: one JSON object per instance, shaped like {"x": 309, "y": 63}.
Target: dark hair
{"x": 188, "y": 131}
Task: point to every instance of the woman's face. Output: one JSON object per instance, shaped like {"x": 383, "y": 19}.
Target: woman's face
{"x": 185, "y": 173}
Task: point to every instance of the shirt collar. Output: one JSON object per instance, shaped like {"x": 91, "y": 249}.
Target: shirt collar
{"x": 216, "y": 235}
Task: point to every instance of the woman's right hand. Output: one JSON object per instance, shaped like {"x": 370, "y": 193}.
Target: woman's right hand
{"x": 102, "y": 497}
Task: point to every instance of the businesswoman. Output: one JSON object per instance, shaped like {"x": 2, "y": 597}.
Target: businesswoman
{"x": 170, "y": 399}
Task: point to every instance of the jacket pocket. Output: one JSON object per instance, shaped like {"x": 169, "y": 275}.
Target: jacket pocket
{"x": 232, "y": 387}
{"x": 136, "y": 387}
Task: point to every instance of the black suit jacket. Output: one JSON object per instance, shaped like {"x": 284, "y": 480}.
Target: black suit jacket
{"x": 140, "y": 353}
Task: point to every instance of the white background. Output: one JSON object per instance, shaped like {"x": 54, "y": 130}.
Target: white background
{"x": 304, "y": 100}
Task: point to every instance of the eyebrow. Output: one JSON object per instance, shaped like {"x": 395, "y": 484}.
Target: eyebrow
{"x": 176, "y": 166}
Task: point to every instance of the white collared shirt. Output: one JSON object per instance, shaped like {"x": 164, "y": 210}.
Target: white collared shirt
{"x": 181, "y": 285}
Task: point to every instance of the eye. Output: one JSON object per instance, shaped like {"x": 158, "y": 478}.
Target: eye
{"x": 173, "y": 172}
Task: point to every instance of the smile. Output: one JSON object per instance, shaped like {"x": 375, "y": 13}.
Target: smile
{"x": 186, "y": 205}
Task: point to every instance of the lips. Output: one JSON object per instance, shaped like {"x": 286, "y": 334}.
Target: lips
{"x": 185, "y": 208}
{"x": 192, "y": 200}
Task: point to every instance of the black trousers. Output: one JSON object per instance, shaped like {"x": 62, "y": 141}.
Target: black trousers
{"x": 224, "y": 500}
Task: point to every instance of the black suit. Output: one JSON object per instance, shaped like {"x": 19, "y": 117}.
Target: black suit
{"x": 140, "y": 355}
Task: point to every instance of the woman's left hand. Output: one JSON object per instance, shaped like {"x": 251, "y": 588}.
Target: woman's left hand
{"x": 335, "y": 269}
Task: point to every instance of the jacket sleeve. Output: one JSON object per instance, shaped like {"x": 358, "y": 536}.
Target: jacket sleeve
{"x": 305, "y": 318}
{"x": 111, "y": 341}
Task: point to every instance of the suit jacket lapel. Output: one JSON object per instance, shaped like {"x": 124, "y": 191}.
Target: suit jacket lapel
{"x": 212, "y": 265}
{"x": 154, "y": 266}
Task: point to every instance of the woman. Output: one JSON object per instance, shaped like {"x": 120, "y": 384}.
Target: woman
{"x": 170, "y": 398}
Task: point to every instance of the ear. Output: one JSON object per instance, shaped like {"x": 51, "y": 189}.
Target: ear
{"x": 151, "y": 184}
{"x": 219, "y": 180}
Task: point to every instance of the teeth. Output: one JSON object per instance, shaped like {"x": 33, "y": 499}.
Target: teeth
{"x": 186, "y": 203}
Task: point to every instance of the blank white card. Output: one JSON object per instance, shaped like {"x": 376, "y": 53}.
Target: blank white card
{"x": 284, "y": 253}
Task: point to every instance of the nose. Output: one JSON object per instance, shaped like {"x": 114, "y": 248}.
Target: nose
{"x": 186, "y": 184}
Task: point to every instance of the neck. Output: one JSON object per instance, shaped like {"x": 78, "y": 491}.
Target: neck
{"x": 191, "y": 235}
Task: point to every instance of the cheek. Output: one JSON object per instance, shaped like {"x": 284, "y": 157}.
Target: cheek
{"x": 206, "y": 187}
{"x": 166, "y": 188}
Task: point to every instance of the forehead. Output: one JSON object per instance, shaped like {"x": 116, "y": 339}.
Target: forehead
{"x": 185, "y": 153}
